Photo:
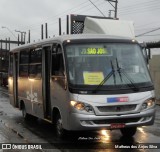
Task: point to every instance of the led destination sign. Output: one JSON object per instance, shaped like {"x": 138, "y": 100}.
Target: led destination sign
{"x": 94, "y": 51}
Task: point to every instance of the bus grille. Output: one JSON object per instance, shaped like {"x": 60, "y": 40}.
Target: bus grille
{"x": 117, "y": 108}
{"x": 110, "y": 121}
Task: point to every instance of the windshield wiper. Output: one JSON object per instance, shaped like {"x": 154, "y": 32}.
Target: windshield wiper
{"x": 114, "y": 76}
{"x": 106, "y": 78}
{"x": 121, "y": 71}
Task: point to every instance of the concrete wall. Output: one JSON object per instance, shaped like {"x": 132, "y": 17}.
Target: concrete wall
{"x": 154, "y": 67}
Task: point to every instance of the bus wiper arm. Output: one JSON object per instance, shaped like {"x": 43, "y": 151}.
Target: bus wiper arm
{"x": 114, "y": 76}
{"x": 119, "y": 70}
{"x": 106, "y": 78}
{"x": 127, "y": 76}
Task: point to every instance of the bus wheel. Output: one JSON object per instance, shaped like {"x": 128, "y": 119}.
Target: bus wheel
{"x": 59, "y": 128}
{"x": 128, "y": 132}
{"x": 24, "y": 113}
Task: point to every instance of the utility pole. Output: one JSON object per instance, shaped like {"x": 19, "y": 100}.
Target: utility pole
{"x": 9, "y": 45}
{"x": 60, "y": 28}
{"x": 115, "y": 6}
{"x": 42, "y": 31}
{"x": 18, "y": 39}
{"x": 1, "y": 44}
{"x": 67, "y": 25}
{"x": 22, "y": 40}
{"x": 6, "y": 43}
{"x": 29, "y": 36}
{"x": 46, "y": 28}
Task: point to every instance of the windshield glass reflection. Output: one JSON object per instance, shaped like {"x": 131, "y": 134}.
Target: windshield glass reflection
{"x": 89, "y": 64}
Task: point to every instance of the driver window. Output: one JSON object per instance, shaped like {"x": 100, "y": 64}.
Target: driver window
{"x": 57, "y": 61}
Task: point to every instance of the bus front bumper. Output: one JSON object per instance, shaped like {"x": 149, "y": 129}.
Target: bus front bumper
{"x": 79, "y": 121}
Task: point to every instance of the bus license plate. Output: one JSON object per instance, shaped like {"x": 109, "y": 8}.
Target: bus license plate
{"x": 116, "y": 126}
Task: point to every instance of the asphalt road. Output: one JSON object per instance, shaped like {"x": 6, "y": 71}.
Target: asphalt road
{"x": 15, "y": 130}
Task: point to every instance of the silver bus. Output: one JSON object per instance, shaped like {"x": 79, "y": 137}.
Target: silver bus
{"x": 83, "y": 82}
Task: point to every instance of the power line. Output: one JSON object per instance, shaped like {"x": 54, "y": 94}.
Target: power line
{"x": 80, "y": 7}
{"x": 141, "y": 8}
{"x": 153, "y": 35}
{"x": 79, "y": 12}
{"x": 83, "y": 8}
{"x": 148, "y": 32}
{"x": 97, "y": 8}
{"x": 151, "y": 23}
{"x": 86, "y": 5}
{"x": 145, "y": 29}
{"x": 143, "y": 11}
{"x": 128, "y": 6}
{"x": 55, "y": 21}
{"x": 70, "y": 9}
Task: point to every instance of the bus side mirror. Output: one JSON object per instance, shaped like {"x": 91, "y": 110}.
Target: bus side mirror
{"x": 145, "y": 54}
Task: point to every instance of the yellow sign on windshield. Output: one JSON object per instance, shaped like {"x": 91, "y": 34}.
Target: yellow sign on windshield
{"x": 94, "y": 51}
{"x": 93, "y": 78}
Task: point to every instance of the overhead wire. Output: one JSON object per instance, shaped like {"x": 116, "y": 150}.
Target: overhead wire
{"x": 146, "y": 6}
{"x": 143, "y": 3}
{"x": 81, "y": 4}
{"x": 90, "y": 7}
{"x": 34, "y": 26}
{"x": 152, "y": 35}
{"x": 85, "y": 5}
{"x": 77, "y": 7}
{"x": 137, "y": 4}
{"x": 146, "y": 24}
{"x": 148, "y": 32}
{"x": 97, "y": 8}
{"x": 139, "y": 9}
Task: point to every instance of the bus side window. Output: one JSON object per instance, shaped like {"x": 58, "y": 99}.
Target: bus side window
{"x": 35, "y": 64}
{"x": 23, "y": 65}
{"x": 57, "y": 61}
{"x": 10, "y": 65}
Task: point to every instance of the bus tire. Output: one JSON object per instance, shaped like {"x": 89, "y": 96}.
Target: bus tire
{"x": 60, "y": 131}
{"x": 25, "y": 115}
{"x": 128, "y": 132}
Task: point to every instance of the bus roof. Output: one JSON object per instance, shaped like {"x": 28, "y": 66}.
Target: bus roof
{"x": 63, "y": 38}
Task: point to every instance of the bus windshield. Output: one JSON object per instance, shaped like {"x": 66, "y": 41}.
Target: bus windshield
{"x": 122, "y": 63}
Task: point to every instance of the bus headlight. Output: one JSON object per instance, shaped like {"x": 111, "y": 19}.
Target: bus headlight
{"x": 148, "y": 104}
{"x": 82, "y": 106}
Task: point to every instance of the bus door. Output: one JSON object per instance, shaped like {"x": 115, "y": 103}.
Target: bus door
{"x": 15, "y": 79}
{"x": 58, "y": 82}
{"x": 46, "y": 55}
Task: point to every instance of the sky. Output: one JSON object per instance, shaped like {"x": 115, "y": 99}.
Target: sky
{"x": 25, "y": 15}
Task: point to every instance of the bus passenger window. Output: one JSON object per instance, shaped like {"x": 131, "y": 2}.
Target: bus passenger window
{"x": 57, "y": 62}
{"x": 35, "y": 64}
{"x": 10, "y": 65}
{"x": 23, "y": 65}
